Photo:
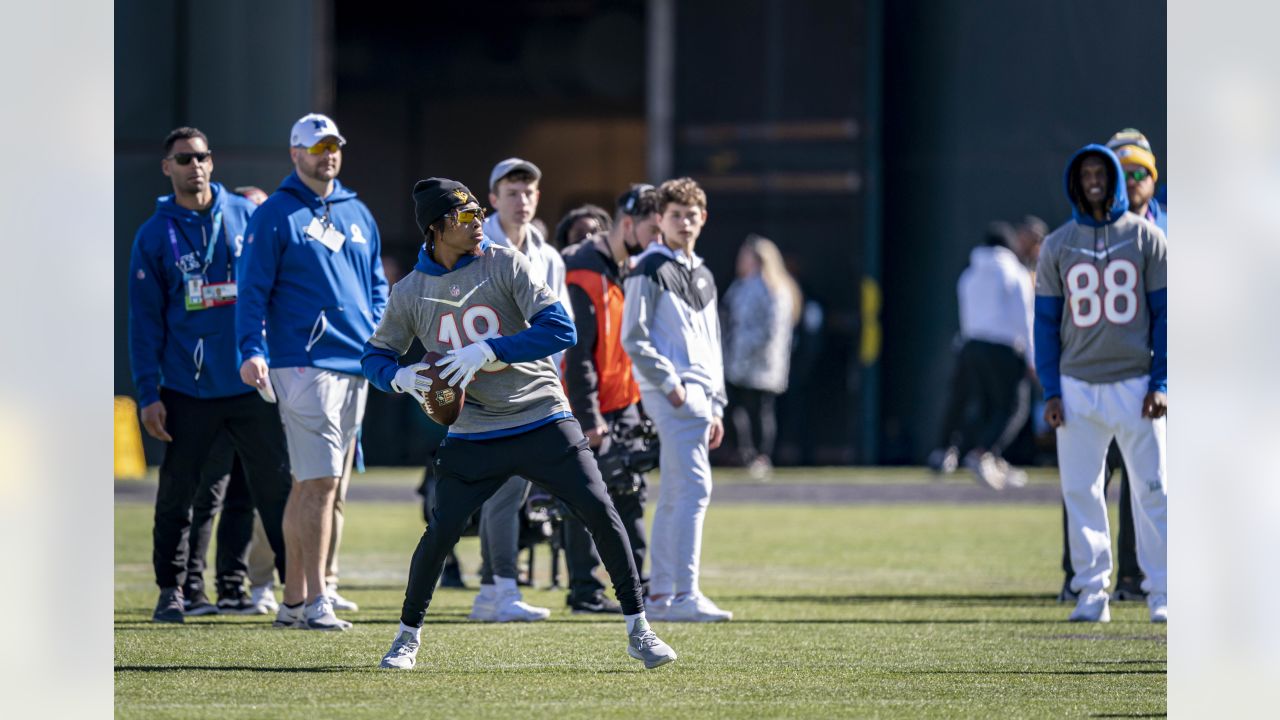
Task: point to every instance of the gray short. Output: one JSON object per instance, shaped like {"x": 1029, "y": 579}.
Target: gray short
{"x": 321, "y": 410}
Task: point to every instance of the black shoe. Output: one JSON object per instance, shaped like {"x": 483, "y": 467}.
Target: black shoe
{"x": 169, "y": 607}
{"x": 1129, "y": 589}
{"x": 197, "y": 603}
{"x": 593, "y": 604}
{"x": 235, "y": 601}
{"x": 452, "y": 577}
{"x": 1067, "y": 595}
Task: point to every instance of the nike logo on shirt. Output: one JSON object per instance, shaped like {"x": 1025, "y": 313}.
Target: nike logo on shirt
{"x": 1095, "y": 254}
{"x": 458, "y": 303}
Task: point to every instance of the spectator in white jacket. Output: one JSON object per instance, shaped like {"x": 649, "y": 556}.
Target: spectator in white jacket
{"x": 671, "y": 330}
{"x": 991, "y": 387}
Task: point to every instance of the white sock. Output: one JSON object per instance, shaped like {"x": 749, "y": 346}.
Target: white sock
{"x": 631, "y": 621}
{"x": 415, "y": 631}
{"x": 505, "y": 585}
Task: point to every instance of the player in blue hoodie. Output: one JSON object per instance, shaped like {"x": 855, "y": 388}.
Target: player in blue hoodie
{"x": 312, "y": 292}
{"x": 182, "y": 291}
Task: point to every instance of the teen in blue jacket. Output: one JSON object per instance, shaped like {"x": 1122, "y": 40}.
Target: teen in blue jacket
{"x": 182, "y": 293}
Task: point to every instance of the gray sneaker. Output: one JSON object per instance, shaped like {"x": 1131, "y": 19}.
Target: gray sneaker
{"x": 403, "y": 654}
{"x": 645, "y": 646}
{"x": 320, "y": 616}
{"x": 169, "y": 608}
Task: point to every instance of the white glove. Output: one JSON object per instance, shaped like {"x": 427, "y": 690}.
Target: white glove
{"x": 407, "y": 380}
{"x": 459, "y": 366}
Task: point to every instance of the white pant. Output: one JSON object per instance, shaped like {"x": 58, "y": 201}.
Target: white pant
{"x": 675, "y": 543}
{"x": 1095, "y": 413}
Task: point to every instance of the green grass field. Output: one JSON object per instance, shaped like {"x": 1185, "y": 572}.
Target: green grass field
{"x": 840, "y": 610}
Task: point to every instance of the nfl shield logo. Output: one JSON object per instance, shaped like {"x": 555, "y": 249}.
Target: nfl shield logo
{"x": 454, "y": 291}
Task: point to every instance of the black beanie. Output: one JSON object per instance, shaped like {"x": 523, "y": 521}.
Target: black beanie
{"x": 434, "y": 197}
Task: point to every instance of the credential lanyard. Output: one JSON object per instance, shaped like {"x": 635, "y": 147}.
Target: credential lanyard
{"x": 209, "y": 249}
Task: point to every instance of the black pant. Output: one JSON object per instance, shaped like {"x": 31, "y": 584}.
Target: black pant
{"x": 223, "y": 491}
{"x": 990, "y": 398}
{"x": 1127, "y": 552}
{"x": 557, "y": 459}
{"x": 580, "y": 554}
{"x": 195, "y": 423}
{"x": 755, "y": 422}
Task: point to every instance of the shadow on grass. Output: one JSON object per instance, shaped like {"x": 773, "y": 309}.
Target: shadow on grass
{"x": 1030, "y": 672}
{"x": 235, "y": 668}
{"x": 951, "y": 598}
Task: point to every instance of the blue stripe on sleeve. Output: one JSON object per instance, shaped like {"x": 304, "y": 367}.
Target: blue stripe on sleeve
{"x": 1049, "y": 343}
{"x": 550, "y": 331}
{"x": 1158, "y": 305}
{"x": 380, "y": 366}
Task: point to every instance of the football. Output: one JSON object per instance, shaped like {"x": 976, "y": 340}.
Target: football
{"x": 442, "y": 403}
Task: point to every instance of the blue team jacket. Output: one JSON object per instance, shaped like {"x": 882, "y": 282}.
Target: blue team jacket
{"x": 192, "y": 352}
{"x": 317, "y": 306}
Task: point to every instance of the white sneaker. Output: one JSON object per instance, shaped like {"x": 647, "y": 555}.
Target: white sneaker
{"x": 657, "y": 609}
{"x": 1158, "y": 605}
{"x": 1092, "y": 607}
{"x": 288, "y": 618}
{"x": 645, "y": 646}
{"x": 696, "y": 608}
{"x": 403, "y": 654}
{"x": 339, "y": 602}
{"x": 263, "y": 599}
{"x": 512, "y": 608}
{"x": 1013, "y": 477}
{"x": 485, "y": 607}
{"x": 320, "y": 616}
{"x": 985, "y": 468}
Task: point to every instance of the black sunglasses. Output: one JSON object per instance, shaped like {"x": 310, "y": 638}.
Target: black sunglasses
{"x": 185, "y": 158}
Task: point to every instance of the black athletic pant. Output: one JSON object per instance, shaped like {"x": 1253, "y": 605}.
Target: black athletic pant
{"x": 755, "y": 421}
{"x": 990, "y": 398}
{"x": 557, "y": 459}
{"x": 580, "y": 553}
{"x": 223, "y": 492}
{"x": 195, "y": 423}
{"x": 1127, "y": 552}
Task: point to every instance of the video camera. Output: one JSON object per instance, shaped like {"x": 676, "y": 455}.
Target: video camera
{"x": 631, "y": 451}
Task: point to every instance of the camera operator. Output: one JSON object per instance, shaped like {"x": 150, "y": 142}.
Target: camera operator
{"x": 602, "y": 392}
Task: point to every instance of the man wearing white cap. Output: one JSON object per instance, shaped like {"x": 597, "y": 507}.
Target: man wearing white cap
{"x": 513, "y": 193}
{"x": 312, "y": 292}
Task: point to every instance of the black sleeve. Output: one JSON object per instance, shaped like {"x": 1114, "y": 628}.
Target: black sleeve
{"x": 581, "y": 377}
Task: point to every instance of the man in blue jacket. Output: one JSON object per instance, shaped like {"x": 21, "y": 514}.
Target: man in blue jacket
{"x": 312, "y": 292}
{"x": 182, "y": 291}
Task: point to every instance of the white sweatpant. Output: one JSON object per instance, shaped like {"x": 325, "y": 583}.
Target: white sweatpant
{"x": 1094, "y": 414}
{"x": 675, "y": 543}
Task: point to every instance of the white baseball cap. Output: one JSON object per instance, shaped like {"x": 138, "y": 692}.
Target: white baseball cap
{"x": 510, "y": 165}
{"x": 311, "y": 129}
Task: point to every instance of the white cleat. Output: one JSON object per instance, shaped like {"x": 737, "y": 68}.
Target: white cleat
{"x": 403, "y": 654}
{"x": 485, "y": 607}
{"x": 645, "y": 646}
{"x": 696, "y": 608}
{"x": 1092, "y": 607}
{"x": 290, "y": 618}
{"x": 985, "y": 468}
{"x": 510, "y": 607}
{"x": 263, "y": 598}
{"x": 339, "y": 602}
{"x": 1158, "y": 606}
{"x": 657, "y": 609}
{"x": 320, "y": 616}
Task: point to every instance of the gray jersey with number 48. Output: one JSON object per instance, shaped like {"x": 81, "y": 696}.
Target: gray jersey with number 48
{"x": 491, "y": 295}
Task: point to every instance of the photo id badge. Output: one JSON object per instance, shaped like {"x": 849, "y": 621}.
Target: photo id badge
{"x": 219, "y": 294}
{"x": 332, "y": 238}
{"x": 195, "y": 292}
